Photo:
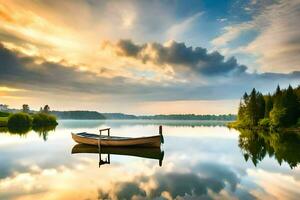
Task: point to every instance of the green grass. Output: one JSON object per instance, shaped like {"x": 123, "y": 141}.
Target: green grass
{"x": 3, "y": 121}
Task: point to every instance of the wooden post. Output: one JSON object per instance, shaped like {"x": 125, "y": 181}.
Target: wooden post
{"x": 99, "y": 148}
{"x": 99, "y": 143}
{"x": 161, "y": 134}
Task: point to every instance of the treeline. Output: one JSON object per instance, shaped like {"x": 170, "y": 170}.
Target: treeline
{"x": 78, "y": 115}
{"x": 280, "y": 109}
{"x": 228, "y": 117}
{"x": 119, "y": 116}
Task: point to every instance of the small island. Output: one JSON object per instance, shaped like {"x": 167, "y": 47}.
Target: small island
{"x": 280, "y": 110}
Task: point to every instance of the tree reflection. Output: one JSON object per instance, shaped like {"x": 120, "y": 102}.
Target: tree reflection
{"x": 19, "y": 130}
{"x": 283, "y": 146}
{"x": 3, "y": 129}
{"x": 43, "y": 131}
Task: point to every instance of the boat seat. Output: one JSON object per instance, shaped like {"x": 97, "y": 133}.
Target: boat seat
{"x": 94, "y": 136}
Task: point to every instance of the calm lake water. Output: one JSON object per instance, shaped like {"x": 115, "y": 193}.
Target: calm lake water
{"x": 199, "y": 160}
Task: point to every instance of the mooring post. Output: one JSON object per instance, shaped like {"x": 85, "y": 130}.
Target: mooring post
{"x": 161, "y": 134}
{"x": 99, "y": 143}
{"x": 99, "y": 148}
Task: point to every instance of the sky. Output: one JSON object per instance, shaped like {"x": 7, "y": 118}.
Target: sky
{"x": 146, "y": 57}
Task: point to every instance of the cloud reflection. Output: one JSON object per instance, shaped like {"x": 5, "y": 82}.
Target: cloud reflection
{"x": 205, "y": 167}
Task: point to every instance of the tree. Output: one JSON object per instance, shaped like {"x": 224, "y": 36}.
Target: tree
{"x": 252, "y": 108}
{"x": 278, "y": 91}
{"x": 277, "y": 96}
{"x": 277, "y": 116}
{"x": 297, "y": 92}
{"x": 268, "y": 105}
{"x": 25, "y": 108}
{"x": 46, "y": 109}
{"x": 242, "y": 112}
{"x": 246, "y": 98}
{"x": 282, "y": 109}
{"x": 260, "y": 101}
{"x": 291, "y": 104}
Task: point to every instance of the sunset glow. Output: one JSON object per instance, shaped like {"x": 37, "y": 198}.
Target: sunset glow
{"x": 145, "y": 52}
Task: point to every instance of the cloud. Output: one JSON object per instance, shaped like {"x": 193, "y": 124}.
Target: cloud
{"x": 277, "y": 44}
{"x": 128, "y": 48}
{"x": 230, "y": 33}
{"x": 179, "y": 29}
{"x": 180, "y": 57}
{"x": 33, "y": 74}
{"x": 29, "y": 72}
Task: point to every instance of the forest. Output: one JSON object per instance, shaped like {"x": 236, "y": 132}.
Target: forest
{"x": 278, "y": 110}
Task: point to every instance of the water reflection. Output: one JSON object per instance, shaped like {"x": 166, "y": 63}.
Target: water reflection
{"x": 20, "y": 130}
{"x": 149, "y": 153}
{"x": 42, "y": 131}
{"x": 283, "y": 146}
{"x": 203, "y": 182}
{"x": 200, "y": 163}
{"x": 126, "y": 123}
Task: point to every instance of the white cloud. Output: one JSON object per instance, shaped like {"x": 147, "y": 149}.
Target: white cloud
{"x": 176, "y": 30}
{"x": 230, "y": 33}
{"x": 278, "y": 44}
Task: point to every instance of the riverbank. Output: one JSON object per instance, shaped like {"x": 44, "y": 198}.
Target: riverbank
{"x": 239, "y": 126}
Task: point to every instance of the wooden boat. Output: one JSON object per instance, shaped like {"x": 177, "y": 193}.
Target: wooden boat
{"x": 107, "y": 140}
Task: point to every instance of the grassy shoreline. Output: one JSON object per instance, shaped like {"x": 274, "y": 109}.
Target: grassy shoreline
{"x": 37, "y": 120}
{"x": 237, "y": 125}
{"x": 3, "y": 121}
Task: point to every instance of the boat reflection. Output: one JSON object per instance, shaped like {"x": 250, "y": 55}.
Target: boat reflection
{"x": 149, "y": 153}
{"x": 283, "y": 146}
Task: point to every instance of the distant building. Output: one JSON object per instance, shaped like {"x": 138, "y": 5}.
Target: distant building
{"x": 3, "y": 107}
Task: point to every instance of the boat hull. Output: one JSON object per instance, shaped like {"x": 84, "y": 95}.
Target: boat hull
{"x": 91, "y": 139}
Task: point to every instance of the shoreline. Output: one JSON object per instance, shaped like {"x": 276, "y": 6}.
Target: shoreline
{"x": 236, "y": 125}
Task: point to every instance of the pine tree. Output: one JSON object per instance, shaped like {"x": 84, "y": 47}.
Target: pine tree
{"x": 281, "y": 109}
{"x": 252, "y": 108}
{"x": 242, "y": 112}
{"x": 290, "y": 102}
{"x": 268, "y": 105}
{"x": 246, "y": 98}
{"x": 260, "y": 106}
{"x": 278, "y": 91}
